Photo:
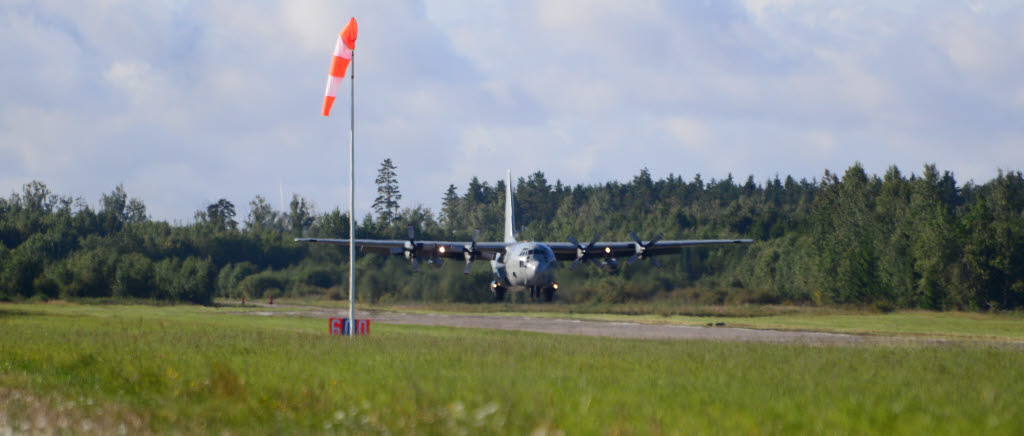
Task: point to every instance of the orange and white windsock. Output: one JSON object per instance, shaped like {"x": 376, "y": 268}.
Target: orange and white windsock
{"x": 342, "y": 55}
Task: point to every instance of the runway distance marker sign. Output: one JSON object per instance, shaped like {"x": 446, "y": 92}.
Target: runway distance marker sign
{"x": 340, "y": 326}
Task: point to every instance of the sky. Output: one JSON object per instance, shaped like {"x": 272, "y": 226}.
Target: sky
{"x": 186, "y": 102}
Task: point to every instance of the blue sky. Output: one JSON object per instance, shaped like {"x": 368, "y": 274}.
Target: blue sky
{"x": 186, "y": 102}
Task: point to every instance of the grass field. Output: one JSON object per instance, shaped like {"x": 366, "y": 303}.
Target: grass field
{"x": 104, "y": 369}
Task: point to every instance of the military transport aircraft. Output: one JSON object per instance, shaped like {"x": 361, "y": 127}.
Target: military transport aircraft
{"x": 519, "y": 266}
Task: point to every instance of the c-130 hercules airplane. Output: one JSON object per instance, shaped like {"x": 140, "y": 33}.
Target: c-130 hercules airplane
{"x": 520, "y": 266}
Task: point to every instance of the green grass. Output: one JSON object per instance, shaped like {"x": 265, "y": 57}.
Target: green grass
{"x": 205, "y": 370}
{"x": 915, "y": 323}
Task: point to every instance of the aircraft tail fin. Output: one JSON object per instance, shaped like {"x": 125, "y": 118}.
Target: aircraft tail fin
{"x": 510, "y": 235}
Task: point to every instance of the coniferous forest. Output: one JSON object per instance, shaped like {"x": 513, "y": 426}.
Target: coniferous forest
{"x": 897, "y": 240}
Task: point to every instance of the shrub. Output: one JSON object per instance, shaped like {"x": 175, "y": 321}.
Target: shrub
{"x": 167, "y": 279}
{"x": 885, "y": 306}
{"x": 610, "y": 289}
{"x": 4, "y": 255}
{"x": 231, "y": 275}
{"x": 764, "y": 296}
{"x": 46, "y": 287}
{"x": 198, "y": 278}
{"x": 303, "y": 290}
{"x": 18, "y": 272}
{"x": 134, "y": 277}
{"x": 321, "y": 277}
{"x": 261, "y": 284}
{"x": 92, "y": 272}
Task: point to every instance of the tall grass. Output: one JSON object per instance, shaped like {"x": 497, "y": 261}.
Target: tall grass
{"x": 196, "y": 370}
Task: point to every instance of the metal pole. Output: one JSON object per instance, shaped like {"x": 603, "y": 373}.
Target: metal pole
{"x": 352, "y": 205}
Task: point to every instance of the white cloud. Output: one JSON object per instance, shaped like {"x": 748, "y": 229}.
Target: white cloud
{"x": 311, "y": 21}
{"x": 194, "y": 101}
{"x": 971, "y": 46}
{"x": 137, "y": 79}
{"x": 853, "y": 83}
{"x": 757, "y": 8}
{"x": 820, "y": 140}
{"x": 692, "y": 134}
{"x": 37, "y": 149}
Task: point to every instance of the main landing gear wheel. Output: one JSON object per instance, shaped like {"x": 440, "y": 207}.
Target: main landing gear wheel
{"x": 499, "y": 293}
{"x": 549, "y": 294}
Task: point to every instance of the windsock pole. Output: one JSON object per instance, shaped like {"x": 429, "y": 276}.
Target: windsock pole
{"x": 352, "y": 204}
{"x": 344, "y": 50}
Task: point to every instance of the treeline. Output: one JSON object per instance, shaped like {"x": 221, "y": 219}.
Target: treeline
{"x": 56, "y": 246}
{"x": 922, "y": 241}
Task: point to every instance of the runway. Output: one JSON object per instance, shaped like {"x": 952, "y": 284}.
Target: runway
{"x": 584, "y": 327}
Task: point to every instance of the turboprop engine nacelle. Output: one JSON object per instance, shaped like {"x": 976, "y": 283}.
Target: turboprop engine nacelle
{"x": 610, "y": 264}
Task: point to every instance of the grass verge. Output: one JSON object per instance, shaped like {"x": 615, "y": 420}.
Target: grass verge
{"x": 190, "y": 369}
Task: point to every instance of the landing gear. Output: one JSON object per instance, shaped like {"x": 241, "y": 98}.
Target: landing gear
{"x": 536, "y": 292}
{"x": 499, "y": 291}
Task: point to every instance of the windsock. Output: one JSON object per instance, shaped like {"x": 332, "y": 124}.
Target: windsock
{"x": 342, "y": 55}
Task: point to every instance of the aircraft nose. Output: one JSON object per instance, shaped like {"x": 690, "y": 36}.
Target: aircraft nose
{"x": 540, "y": 268}
{"x": 535, "y": 268}
{"x": 547, "y": 271}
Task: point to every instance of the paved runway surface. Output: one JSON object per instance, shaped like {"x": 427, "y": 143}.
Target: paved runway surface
{"x": 587, "y": 328}
{"x": 612, "y": 329}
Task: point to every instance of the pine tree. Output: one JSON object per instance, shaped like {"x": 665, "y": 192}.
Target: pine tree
{"x": 386, "y": 204}
{"x": 449, "y": 208}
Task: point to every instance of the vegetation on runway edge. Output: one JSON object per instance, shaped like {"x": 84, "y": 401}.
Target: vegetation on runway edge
{"x": 197, "y": 370}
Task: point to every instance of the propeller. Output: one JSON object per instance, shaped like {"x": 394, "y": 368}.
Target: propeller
{"x": 641, "y": 249}
{"x": 409, "y": 250}
{"x": 470, "y": 252}
{"x": 582, "y": 253}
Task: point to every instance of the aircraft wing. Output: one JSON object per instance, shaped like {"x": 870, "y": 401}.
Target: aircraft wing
{"x": 487, "y": 250}
{"x": 568, "y": 250}
{"x": 422, "y": 249}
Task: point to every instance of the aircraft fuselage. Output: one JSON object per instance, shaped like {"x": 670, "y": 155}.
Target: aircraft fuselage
{"x": 526, "y": 265}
